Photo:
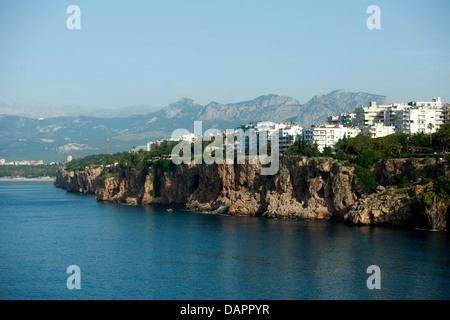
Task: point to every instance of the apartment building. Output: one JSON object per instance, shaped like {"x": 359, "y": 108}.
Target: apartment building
{"x": 415, "y": 117}
{"x": 367, "y": 116}
{"x": 288, "y": 133}
{"x": 328, "y": 135}
{"x": 378, "y": 130}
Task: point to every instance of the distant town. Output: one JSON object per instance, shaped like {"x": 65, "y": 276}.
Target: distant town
{"x": 30, "y": 162}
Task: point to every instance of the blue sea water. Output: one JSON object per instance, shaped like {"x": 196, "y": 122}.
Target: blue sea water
{"x": 138, "y": 252}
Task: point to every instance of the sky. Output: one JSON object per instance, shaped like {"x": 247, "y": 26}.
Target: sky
{"x": 155, "y": 52}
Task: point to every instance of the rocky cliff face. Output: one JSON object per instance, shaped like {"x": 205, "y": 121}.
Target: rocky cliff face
{"x": 303, "y": 188}
{"x": 84, "y": 182}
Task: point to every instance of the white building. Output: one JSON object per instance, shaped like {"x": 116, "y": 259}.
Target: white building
{"x": 328, "y": 135}
{"x": 420, "y": 120}
{"x": 378, "y": 130}
{"x": 288, "y": 133}
{"x": 435, "y": 103}
{"x": 435, "y": 108}
{"x": 414, "y": 117}
{"x": 367, "y": 116}
{"x": 346, "y": 119}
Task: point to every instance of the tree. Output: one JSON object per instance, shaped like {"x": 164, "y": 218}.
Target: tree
{"x": 341, "y": 155}
{"x": 442, "y": 137}
{"x": 327, "y": 152}
{"x": 430, "y": 127}
{"x": 366, "y": 179}
{"x": 367, "y": 158}
{"x": 315, "y": 150}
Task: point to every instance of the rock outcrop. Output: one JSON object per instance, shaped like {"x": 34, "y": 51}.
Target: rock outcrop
{"x": 303, "y": 188}
{"x": 84, "y": 182}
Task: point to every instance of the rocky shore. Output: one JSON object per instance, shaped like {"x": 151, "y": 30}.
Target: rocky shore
{"x": 303, "y": 188}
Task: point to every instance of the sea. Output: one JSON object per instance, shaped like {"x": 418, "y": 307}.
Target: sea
{"x": 59, "y": 245}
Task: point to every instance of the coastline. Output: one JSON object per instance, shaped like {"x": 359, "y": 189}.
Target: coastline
{"x": 47, "y": 179}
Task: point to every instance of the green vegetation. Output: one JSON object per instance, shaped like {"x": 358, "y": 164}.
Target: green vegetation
{"x": 303, "y": 148}
{"x": 166, "y": 165}
{"x": 425, "y": 181}
{"x": 395, "y": 145}
{"x": 367, "y": 179}
{"x": 427, "y": 198}
{"x": 441, "y": 189}
{"x": 365, "y": 150}
{"x": 24, "y": 171}
{"x": 109, "y": 175}
{"x": 368, "y": 157}
{"x": 138, "y": 159}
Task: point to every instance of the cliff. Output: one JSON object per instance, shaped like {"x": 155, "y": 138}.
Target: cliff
{"x": 303, "y": 188}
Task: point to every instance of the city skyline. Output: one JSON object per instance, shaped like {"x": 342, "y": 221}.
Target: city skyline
{"x": 158, "y": 52}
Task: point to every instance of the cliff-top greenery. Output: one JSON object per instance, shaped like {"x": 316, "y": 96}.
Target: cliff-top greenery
{"x": 122, "y": 159}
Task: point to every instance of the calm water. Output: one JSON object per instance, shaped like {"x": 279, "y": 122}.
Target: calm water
{"x": 134, "y": 252}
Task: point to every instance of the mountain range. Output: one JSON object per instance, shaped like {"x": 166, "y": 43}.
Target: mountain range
{"x": 35, "y": 110}
{"x": 53, "y": 138}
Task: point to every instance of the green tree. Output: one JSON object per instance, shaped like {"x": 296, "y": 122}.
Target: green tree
{"x": 430, "y": 128}
{"x": 442, "y": 137}
{"x": 341, "y": 155}
{"x": 368, "y": 157}
{"x": 315, "y": 150}
{"x": 367, "y": 179}
{"x": 327, "y": 152}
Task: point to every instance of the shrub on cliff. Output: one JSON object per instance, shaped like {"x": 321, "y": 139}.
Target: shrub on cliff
{"x": 442, "y": 187}
{"x": 426, "y": 199}
{"x": 341, "y": 155}
{"x": 367, "y": 179}
{"x": 327, "y": 152}
{"x": 368, "y": 157}
{"x": 166, "y": 165}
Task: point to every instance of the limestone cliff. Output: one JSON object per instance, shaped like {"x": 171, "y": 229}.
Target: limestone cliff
{"x": 303, "y": 188}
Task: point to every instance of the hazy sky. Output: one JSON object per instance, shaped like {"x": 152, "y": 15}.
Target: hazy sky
{"x": 155, "y": 52}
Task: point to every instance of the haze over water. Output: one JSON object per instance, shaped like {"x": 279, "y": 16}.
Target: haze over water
{"x": 137, "y": 252}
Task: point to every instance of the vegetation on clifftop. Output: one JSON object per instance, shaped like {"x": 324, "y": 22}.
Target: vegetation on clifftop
{"x": 138, "y": 159}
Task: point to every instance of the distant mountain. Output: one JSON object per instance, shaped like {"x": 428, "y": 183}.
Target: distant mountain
{"x": 318, "y": 108}
{"x": 275, "y": 108}
{"x": 35, "y": 110}
{"x": 53, "y": 138}
{"x": 268, "y": 107}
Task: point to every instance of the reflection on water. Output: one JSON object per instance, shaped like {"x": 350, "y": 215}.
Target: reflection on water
{"x": 134, "y": 252}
